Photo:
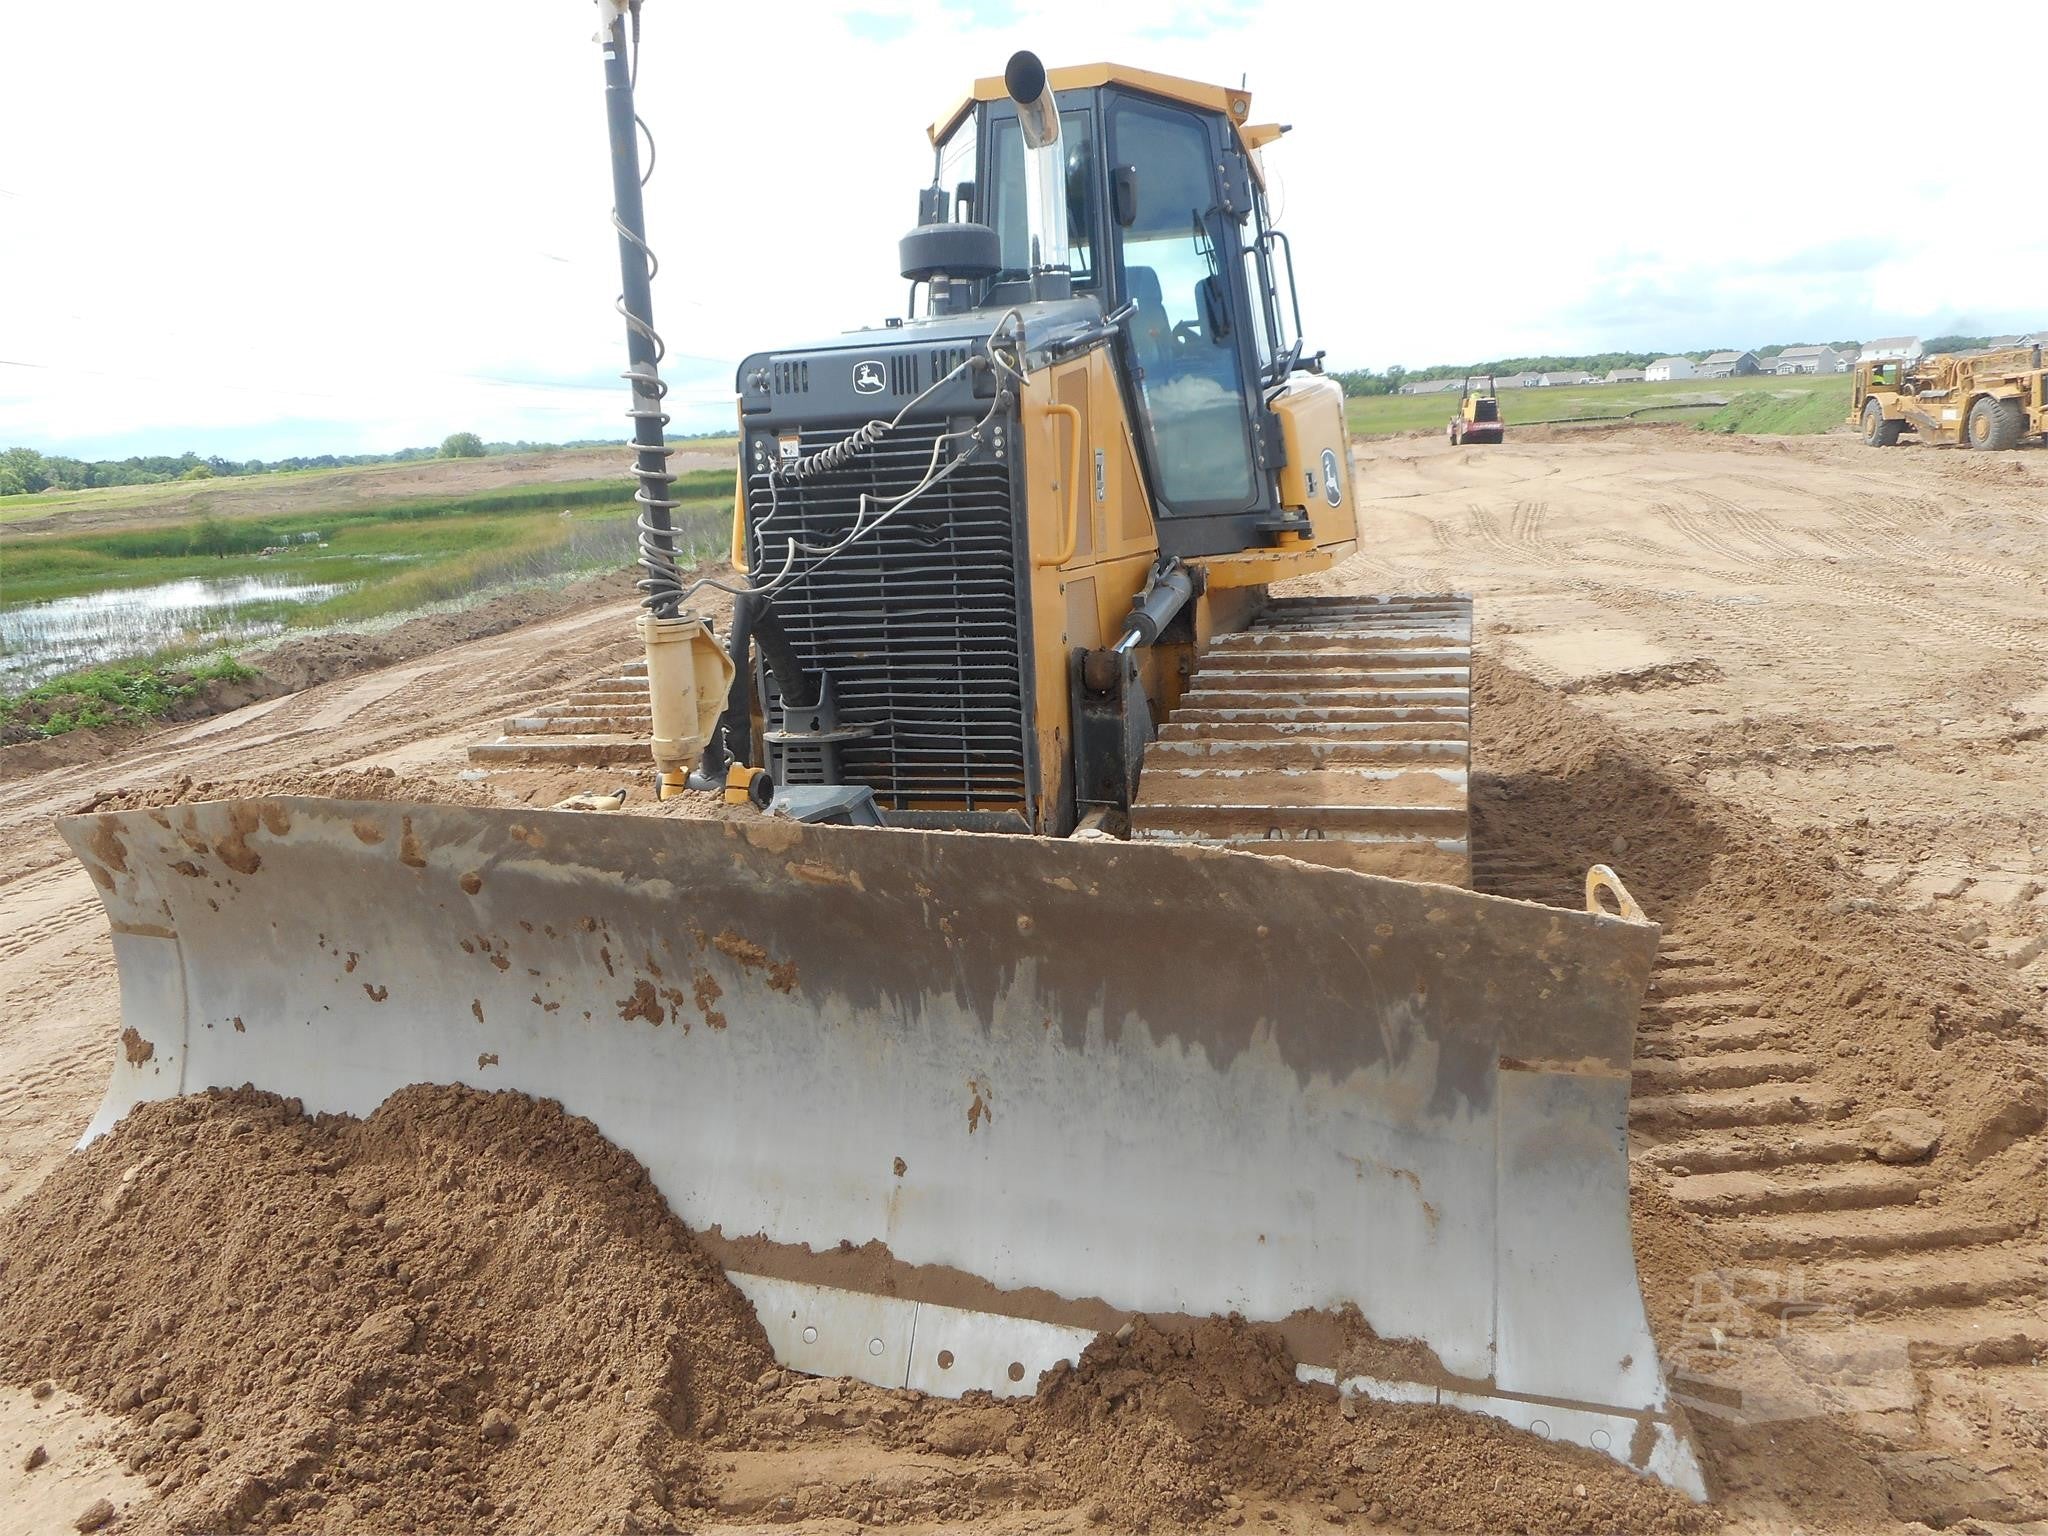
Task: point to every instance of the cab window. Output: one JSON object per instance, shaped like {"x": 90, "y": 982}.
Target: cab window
{"x": 1008, "y": 207}
{"x": 1190, "y": 380}
{"x": 956, "y": 162}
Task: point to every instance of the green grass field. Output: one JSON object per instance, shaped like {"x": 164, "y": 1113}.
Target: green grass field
{"x": 302, "y": 489}
{"x": 379, "y": 557}
{"x": 389, "y": 552}
{"x": 1774, "y": 411}
{"x": 1796, "y": 404}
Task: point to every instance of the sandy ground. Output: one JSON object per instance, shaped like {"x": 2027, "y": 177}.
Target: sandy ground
{"x": 1825, "y": 661}
{"x": 1839, "y": 637}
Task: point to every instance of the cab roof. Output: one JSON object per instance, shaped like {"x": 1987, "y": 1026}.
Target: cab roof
{"x": 1236, "y": 105}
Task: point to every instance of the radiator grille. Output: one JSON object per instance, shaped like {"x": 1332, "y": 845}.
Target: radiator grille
{"x": 917, "y": 624}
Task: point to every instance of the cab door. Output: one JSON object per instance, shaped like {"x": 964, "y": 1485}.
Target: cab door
{"x": 1178, "y": 265}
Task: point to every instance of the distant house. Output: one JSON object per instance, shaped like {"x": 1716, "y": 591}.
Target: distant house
{"x": 1885, "y": 349}
{"x": 1626, "y": 376}
{"x": 1564, "y": 376}
{"x": 1808, "y": 360}
{"x": 1669, "y": 368}
{"x": 1726, "y": 365}
{"x": 1431, "y": 386}
{"x": 1518, "y": 380}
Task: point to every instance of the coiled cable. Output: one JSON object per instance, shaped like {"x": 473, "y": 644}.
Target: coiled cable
{"x": 661, "y": 587}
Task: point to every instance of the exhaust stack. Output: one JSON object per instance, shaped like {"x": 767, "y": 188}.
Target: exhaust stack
{"x": 1045, "y": 179}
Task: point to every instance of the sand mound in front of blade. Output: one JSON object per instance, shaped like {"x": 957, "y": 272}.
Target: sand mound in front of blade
{"x": 330, "y": 1323}
{"x": 470, "y": 1311}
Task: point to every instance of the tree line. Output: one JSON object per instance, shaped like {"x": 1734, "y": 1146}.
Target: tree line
{"x": 24, "y": 471}
{"x": 1366, "y": 381}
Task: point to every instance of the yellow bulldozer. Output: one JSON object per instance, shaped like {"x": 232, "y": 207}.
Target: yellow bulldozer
{"x": 1106, "y": 946}
{"x": 1987, "y": 400}
{"x": 1478, "y": 419}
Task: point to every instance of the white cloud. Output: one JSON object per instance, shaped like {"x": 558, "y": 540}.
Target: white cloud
{"x": 274, "y": 229}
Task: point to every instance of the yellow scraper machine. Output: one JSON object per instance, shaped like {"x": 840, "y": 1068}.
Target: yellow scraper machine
{"x": 1107, "y": 948}
{"x": 1989, "y": 400}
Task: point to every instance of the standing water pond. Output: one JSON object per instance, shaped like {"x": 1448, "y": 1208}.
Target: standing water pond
{"x": 39, "y": 641}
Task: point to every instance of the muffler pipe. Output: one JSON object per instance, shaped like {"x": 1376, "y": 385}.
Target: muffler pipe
{"x": 1045, "y": 179}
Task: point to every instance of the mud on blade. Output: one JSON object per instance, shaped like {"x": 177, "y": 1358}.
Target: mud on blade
{"x": 1054, "y": 1082}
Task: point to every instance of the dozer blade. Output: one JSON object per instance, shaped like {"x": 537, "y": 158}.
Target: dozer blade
{"x": 946, "y": 1104}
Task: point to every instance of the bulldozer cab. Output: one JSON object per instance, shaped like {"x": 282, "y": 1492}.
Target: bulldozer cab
{"x": 1166, "y": 226}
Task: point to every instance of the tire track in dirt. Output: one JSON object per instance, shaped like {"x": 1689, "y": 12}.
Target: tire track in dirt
{"x": 1894, "y": 538}
{"x": 1623, "y": 598}
{"x": 1785, "y": 569}
{"x": 1916, "y": 552}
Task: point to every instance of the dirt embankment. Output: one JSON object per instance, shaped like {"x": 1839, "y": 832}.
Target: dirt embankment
{"x": 471, "y": 1312}
{"x": 1886, "y": 1060}
{"x": 296, "y": 664}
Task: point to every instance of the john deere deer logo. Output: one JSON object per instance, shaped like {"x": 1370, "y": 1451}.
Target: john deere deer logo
{"x": 867, "y": 378}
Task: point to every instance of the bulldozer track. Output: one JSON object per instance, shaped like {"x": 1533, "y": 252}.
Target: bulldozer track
{"x": 605, "y": 723}
{"x": 1336, "y": 730}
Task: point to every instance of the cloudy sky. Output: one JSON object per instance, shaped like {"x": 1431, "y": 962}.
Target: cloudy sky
{"x": 346, "y": 227}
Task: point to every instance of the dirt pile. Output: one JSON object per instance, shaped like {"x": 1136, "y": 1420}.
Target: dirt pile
{"x": 197, "y": 700}
{"x": 301, "y": 663}
{"x": 422, "y": 1318}
{"x": 334, "y": 784}
{"x": 1169, "y": 1423}
{"x": 1907, "y": 1013}
{"x": 470, "y": 1312}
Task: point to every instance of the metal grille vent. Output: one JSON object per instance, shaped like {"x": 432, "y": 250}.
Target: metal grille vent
{"x": 792, "y": 378}
{"x": 917, "y": 625}
{"x": 903, "y": 372}
{"x": 946, "y": 359}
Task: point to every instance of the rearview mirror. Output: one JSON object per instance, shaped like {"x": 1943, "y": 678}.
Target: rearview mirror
{"x": 1123, "y": 189}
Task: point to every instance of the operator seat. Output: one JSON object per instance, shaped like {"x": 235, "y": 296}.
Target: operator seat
{"x": 1151, "y": 327}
